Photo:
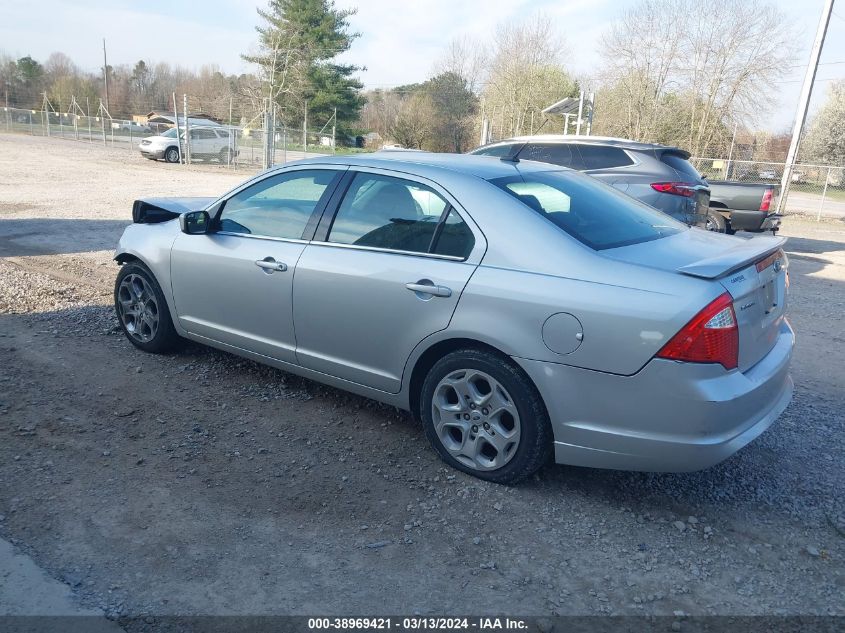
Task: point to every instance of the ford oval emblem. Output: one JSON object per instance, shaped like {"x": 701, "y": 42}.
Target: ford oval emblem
{"x": 778, "y": 266}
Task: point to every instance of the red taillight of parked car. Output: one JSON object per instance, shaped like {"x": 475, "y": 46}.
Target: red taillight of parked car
{"x": 766, "y": 202}
{"x": 685, "y": 189}
{"x": 712, "y": 336}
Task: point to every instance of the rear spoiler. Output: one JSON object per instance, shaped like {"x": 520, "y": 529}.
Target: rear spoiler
{"x": 734, "y": 259}
{"x": 154, "y": 210}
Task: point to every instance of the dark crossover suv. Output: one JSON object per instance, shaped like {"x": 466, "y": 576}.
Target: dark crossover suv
{"x": 659, "y": 175}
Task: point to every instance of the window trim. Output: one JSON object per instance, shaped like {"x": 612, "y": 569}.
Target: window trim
{"x": 331, "y": 211}
{"x": 308, "y": 230}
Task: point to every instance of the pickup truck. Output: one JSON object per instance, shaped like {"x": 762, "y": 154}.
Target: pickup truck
{"x": 743, "y": 206}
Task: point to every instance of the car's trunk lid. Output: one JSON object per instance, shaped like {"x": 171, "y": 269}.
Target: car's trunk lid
{"x": 759, "y": 296}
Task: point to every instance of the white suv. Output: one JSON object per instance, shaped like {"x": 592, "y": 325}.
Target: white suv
{"x": 206, "y": 143}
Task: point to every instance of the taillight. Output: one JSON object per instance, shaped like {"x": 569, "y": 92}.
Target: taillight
{"x": 766, "y": 202}
{"x": 685, "y": 189}
{"x": 712, "y": 336}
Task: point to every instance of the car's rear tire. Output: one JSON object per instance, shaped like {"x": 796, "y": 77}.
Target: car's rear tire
{"x": 225, "y": 156}
{"x": 142, "y": 310}
{"x": 484, "y": 416}
{"x": 716, "y": 222}
{"x": 171, "y": 155}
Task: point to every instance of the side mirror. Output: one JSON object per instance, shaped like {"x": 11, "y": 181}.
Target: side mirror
{"x": 195, "y": 222}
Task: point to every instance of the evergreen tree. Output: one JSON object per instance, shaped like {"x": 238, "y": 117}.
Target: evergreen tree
{"x": 299, "y": 40}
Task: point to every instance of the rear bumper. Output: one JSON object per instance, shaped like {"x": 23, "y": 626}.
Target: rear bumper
{"x": 670, "y": 416}
{"x": 752, "y": 220}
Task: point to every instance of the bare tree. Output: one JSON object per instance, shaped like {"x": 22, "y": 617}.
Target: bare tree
{"x": 687, "y": 81}
{"x": 525, "y": 75}
{"x": 413, "y": 125}
{"x": 466, "y": 58}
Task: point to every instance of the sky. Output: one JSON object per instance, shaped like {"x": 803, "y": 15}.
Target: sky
{"x": 399, "y": 44}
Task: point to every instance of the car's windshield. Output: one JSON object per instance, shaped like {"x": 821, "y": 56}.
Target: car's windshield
{"x": 592, "y": 212}
{"x": 171, "y": 133}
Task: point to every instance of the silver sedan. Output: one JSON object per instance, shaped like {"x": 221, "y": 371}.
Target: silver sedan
{"x": 518, "y": 309}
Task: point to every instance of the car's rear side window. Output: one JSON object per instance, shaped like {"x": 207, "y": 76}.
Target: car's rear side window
{"x": 603, "y": 156}
{"x": 563, "y": 154}
{"x": 590, "y": 211}
{"x": 401, "y": 215}
{"x": 681, "y": 165}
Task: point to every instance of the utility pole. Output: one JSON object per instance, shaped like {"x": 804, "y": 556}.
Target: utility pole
{"x": 804, "y": 102}
{"x": 106, "y": 75}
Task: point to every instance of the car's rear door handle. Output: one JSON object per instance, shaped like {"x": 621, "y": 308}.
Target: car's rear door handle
{"x": 270, "y": 265}
{"x": 429, "y": 288}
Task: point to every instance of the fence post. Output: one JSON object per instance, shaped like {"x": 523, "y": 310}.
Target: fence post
{"x": 824, "y": 195}
{"x": 187, "y": 130}
{"x": 130, "y": 136}
{"x": 268, "y": 136}
{"x": 31, "y": 130}
{"x": 76, "y": 127}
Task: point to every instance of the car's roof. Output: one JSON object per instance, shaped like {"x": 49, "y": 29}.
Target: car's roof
{"x": 486, "y": 167}
{"x": 591, "y": 140}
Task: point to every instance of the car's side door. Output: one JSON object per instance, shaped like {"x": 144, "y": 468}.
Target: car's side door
{"x": 234, "y": 285}
{"x": 385, "y": 270}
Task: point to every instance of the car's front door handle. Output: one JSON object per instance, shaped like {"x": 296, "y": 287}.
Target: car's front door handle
{"x": 429, "y": 289}
{"x": 270, "y": 265}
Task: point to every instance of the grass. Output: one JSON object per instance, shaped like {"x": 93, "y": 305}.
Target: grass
{"x": 833, "y": 193}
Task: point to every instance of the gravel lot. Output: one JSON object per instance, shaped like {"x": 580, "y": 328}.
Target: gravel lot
{"x": 201, "y": 483}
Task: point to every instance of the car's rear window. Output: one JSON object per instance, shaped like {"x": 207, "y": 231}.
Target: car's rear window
{"x": 495, "y": 150}
{"x": 681, "y": 165}
{"x": 590, "y": 211}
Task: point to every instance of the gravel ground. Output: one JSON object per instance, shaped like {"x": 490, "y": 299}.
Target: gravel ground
{"x": 201, "y": 483}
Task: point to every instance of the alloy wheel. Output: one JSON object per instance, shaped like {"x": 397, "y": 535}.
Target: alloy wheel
{"x": 476, "y": 419}
{"x": 139, "y": 310}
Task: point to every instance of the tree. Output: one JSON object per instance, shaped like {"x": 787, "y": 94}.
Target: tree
{"x": 825, "y": 140}
{"x": 453, "y": 105}
{"x": 415, "y": 122}
{"x": 716, "y": 67}
{"x": 297, "y": 42}
{"x": 525, "y": 75}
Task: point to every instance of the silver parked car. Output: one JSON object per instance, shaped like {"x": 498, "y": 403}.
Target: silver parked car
{"x": 207, "y": 143}
{"x": 658, "y": 175}
{"x": 517, "y": 309}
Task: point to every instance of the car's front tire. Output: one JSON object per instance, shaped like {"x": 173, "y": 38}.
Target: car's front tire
{"x": 484, "y": 416}
{"x": 142, "y": 310}
{"x": 171, "y": 155}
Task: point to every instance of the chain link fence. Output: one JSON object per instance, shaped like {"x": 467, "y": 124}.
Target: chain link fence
{"x": 253, "y": 143}
{"x": 816, "y": 190}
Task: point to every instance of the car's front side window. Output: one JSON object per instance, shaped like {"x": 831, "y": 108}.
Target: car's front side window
{"x": 402, "y": 215}
{"x": 278, "y": 206}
